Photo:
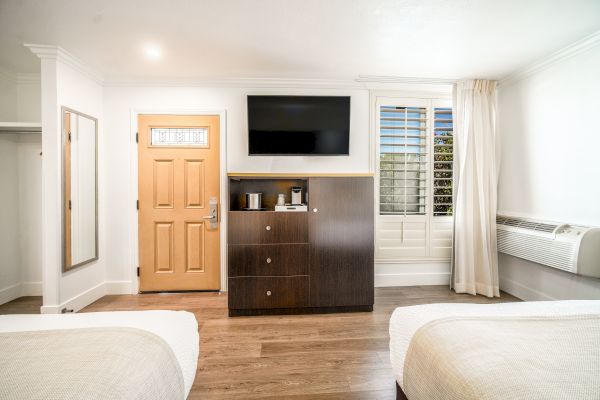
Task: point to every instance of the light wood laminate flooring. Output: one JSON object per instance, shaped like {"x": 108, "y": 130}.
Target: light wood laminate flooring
{"x": 324, "y": 356}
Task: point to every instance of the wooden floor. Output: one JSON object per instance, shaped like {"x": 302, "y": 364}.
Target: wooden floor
{"x": 331, "y": 356}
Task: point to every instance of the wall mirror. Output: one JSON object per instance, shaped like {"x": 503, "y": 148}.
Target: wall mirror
{"x": 80, "y": 188}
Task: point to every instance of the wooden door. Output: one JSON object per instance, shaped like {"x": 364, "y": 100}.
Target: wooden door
{"x": 178, "y": 177}
{"x": 341, "y": 235}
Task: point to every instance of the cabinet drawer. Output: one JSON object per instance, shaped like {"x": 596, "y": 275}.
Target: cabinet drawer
{"x": 268, "y": 292}
{"x": 263, "y": 227}
{"x": 267, "y": 259}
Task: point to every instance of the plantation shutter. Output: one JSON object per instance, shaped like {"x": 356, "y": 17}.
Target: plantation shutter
{"x": 403, "y": 160}
{"x": 442, "y": 161}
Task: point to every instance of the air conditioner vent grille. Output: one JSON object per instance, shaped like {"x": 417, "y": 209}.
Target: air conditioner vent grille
{"x": 542, "y": 250}
{"x": 526, "y": 224}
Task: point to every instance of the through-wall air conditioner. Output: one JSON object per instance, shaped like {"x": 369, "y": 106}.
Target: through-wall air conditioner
{"x": 571, "y": 248}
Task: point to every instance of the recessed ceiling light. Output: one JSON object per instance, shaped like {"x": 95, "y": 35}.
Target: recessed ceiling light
{"x": 152, "y": 51}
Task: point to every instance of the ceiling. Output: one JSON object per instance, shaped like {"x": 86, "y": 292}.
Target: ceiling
{"x": 321, "y": 39}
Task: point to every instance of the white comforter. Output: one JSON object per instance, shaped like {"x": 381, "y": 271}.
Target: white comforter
{"x": 178, "y": 328}
{"x": 405, "y": 321}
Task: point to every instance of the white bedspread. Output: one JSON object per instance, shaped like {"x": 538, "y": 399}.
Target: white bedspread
{"x": 178, "y": 328}
{"x": 499, "y": 358}
{"x": 405, "y": 321}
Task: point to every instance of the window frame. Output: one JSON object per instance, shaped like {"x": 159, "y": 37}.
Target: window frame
{"x": 430, "y": 100}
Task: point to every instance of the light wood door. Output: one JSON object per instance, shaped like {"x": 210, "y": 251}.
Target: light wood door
{"x": 178, "y": 177}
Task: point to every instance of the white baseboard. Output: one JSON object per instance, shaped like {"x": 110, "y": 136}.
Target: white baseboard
{"x": 76, "y": 303}
{"x": 10, "y": 293}
{"x": 31, "y": 289}
{"x": 427, "y": 272}
{"x": 118, "y": 287}
{"x": 521, "y": 291}
{"x": 412, "y": 279}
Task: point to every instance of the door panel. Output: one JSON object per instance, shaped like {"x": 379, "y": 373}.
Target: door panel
{"x": 341, "y": 235}
{"x": 163, "y": 247}
{"x": 194, "y": 246}
{"x": 194, "y": 183}
{"x": 178, "y": 172}
{"x": 163, "y": 184}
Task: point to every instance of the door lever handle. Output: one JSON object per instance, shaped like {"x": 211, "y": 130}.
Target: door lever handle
{"x": 213, "y": 211}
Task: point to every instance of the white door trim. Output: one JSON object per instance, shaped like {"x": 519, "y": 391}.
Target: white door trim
{"x": 133, "y": 190}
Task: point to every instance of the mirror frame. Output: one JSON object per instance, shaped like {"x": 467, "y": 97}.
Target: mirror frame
{"x": 64, "y": 134}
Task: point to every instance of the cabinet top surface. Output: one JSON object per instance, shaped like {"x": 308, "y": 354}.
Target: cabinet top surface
{"x": 295, "y": 175}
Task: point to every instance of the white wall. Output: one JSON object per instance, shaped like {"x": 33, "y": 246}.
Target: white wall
{"x": 65, "y": 83}
{"x": 550, "y": 169}
{"x": 30, "y": 211}
{"x": 10, "y": 273}
{"x": 120, "y": 195}
{"x": 8, "y": 96}
{"x": 29, "y": 98}
{"x": 30, "y": 185}
{"x": 20, "y": 177}
{"x": 78, "y": 92}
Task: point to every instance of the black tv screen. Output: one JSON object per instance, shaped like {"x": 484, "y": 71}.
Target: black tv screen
{"x": 299, "y": 125}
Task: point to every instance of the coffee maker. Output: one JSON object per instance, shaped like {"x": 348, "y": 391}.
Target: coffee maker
{"x": 296, "y": 195}
{"x": 295, "y": 203}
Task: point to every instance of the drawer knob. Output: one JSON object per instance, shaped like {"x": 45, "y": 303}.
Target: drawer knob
{"x": 315, "y": 210}
{"x": 268, "y": 292}
{"x": 269, "y": 260}
{"x": 268, "y": 227}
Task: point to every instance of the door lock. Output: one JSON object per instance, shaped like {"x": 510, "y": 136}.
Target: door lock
{"x": 213, "y": 213}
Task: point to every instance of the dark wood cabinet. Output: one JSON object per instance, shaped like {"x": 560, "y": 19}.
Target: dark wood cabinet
{"x": 268, "y": 260}
{"x": 302, "y": 262}
{"x": 268, "y": 292}
{"x": 341, "y": 235}
{"x": 267, "y": 227}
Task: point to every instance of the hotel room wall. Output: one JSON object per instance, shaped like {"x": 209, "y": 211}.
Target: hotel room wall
{"x": 10, "y": 271}
{"x": 549, "y": 168}
{"x": 8, "y": 96}
{"x": 30, "y": 211}
{"x": 29, "y": 102}
{"x": 81, "y": 93}
{"x": 120, "y": 195}
{"x": 64, "y": 85}
{"x": 21, "y": 173}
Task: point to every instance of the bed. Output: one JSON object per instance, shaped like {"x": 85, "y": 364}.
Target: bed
{"x": 116, "y": 355}
{"x": 532, "y": 350}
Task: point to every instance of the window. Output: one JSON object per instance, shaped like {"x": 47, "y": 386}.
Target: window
{"x": 442, "y": 161}
{"x": 403, "y": 160}
{"x": 406, "y": 133}
{"x": 195, "y": 137}
{"x": 414, "y": 179}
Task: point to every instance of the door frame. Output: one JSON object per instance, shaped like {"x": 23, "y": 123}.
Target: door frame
{"x": 133, "y": 190}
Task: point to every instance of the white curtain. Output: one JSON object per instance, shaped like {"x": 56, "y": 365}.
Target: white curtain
{"x": 476, "y": 160}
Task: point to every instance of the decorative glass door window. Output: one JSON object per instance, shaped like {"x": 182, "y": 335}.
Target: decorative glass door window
{"x": 188, "y": 137}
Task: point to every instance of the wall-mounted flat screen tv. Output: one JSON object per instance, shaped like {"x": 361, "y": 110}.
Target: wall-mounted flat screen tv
{"x": 299, "y": 125}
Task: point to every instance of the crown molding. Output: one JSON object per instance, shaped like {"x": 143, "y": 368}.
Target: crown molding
{"x": 237, "y": 83}
{"x": 404, "y": 80}
{"x": 364, "y": 82}
{"x": 585, "y": 44}
{"x": 44, "y": 51}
